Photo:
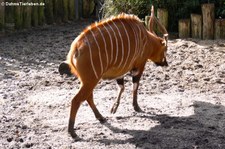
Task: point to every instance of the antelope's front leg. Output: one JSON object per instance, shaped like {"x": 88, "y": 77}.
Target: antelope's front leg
{"x": 136, "y": 80}
{"x": 120, "y": 83}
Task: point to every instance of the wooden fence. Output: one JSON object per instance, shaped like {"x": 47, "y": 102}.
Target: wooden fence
{"x": 23, "y": 14}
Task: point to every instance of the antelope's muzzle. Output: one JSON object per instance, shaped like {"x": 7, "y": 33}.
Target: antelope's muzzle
{"x": 163, "y": 63}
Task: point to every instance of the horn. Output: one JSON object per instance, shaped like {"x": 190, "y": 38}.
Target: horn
{"x": 151, "y": 20}
{"x": 162, "y": 29}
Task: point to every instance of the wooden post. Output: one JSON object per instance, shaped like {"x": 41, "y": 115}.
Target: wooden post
{"x": 222, "y": 35}
{"x": 184, "y": 28}
{"x": 18, "y": 14}
{"x": 162, "y": 14}
{"x": 219, "y": 29}
{"x": 86, "y": 8}
{"x": 71, "y": 9}
{"x": 196, "y": 26}
{"x": 65, "y": 10}
{"x": 208, "y": 16}
{"x": 49, "y": 11}
{"x": 27, "y": 15}
{"x": 77, "y": 9}
{"x": 9, "y": 18}
{"x": 2, "y": 16}
{"x": 81, "y": 9}
{"x": 58, "y": 11}
{"x": 34, "y": 14}
{"x": 41, "y": 14}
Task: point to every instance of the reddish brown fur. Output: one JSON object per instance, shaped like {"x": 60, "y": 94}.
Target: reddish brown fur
{"x": 92, "y": 57}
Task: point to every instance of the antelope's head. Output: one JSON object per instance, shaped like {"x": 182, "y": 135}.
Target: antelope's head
{"x": 159, "y": 44}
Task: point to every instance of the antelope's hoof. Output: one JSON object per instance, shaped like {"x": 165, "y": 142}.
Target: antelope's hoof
{"x": 102, "y": 120}
{"x": 137, "y": 109}
{"x": 73, "y": 134}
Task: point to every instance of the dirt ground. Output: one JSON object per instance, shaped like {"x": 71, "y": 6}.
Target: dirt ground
{"x": 183, "y": 104}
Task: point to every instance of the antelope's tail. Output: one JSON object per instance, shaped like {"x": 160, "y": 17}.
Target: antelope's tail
{"x": 68, "y": 67}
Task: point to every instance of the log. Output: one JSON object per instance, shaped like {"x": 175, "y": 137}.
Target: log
{"x": 49, "y": 11}
{"x": 2, "y": 17}
{"x": 41, "y": 14}
{"x": 196, "y": 26}
{"x": 34, "y": 15}
{"x": 184, "y": 28}
{"x": 71, "y": 9}
{"x": 208, "y": 16}
{"x": 219, "y": 29}
{"x": 27, "y": 15}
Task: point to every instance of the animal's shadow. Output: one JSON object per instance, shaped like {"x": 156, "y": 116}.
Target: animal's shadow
{"x": 204, "y": 129}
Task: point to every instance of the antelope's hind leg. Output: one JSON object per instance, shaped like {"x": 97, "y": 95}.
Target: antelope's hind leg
{"x": 83, "y": 94}
{"x": 94, "y": 109}
{"x": 120, "y": 83}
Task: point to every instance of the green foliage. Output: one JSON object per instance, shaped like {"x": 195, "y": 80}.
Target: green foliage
{"x": 137, "y": 7}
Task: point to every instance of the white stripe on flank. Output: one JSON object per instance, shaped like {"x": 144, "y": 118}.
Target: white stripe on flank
{"x": 128, "y": 39}
{"x": 106, "y": 52}
{"x": 121, "y": 39}
{"x": 99, "y": 52}
{"x": 92, "y": 64}
{"x": 110, "y": 42}
{"x": 116, "y": 44}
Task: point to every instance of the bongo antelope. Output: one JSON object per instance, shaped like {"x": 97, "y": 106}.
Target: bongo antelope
{"x": 108, "y": 50}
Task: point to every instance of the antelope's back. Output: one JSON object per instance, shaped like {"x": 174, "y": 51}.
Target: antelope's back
{"x": 110, "y": 48}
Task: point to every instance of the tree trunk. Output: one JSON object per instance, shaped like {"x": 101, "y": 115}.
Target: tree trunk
{"x": 2, "y": 17}
{"x": 184, "y": 28}
{"x": 208, "y": 16}
{"x": 196, "y": 26}
{"x": 219, "y": 29}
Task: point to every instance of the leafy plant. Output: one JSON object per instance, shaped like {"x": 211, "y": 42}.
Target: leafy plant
{"x": 137, "y": 7}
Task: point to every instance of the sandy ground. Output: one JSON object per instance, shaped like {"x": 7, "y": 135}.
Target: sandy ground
{"x": 183, "y": 104}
